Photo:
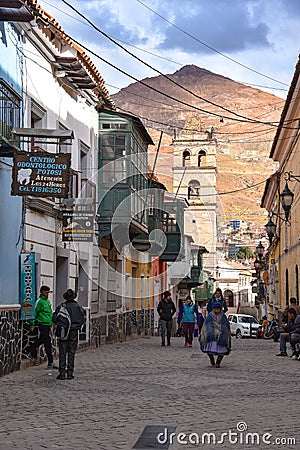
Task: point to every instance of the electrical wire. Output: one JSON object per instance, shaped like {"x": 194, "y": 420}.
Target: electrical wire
{"x": 216, "y": 132}
{"x": 208, "y": 46}
{"x": 165, "y": 76}
{"x": 150, "y": 87}
{"x": 159, "y": 122}
{"x": 150, "y": 100}
{"x": 152, "y": 53}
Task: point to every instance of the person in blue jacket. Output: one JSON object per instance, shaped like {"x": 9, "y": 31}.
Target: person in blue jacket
{"x": 217, "y": 297}
{"x": 188, "y": 314}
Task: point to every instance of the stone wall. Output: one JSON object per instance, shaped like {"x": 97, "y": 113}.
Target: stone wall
{"x": 16, "y": 337}
{"x": 10, "y": 340}
{"x": 121, "y": 327}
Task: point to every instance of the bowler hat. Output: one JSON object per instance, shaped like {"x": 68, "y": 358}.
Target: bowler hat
{"x": 70, "y": 295}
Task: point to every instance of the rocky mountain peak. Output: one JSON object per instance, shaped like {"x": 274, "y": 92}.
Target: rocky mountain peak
{"x": 191, "y": 70}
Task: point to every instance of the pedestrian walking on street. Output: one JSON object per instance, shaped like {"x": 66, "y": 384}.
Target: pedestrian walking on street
{"x": 67, "y": 346}
{"x": 43, "y": 318}
{"x": 215, "y": 338}
{"x": 166, "y": 310}
{"x": 188, "y": 313}
{"x": 217, "y": 297}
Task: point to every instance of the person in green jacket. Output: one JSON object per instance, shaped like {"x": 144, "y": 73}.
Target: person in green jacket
{"x": 43, "y": 317}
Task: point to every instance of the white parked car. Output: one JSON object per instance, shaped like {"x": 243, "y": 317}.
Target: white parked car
{"x": 241, "y": 324}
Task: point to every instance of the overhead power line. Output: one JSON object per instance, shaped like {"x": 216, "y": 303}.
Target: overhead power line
{"x": 152, "y": 53}
{"x": 157, "y": 90}
{"x": 247, "y": 119}
{"x": 216, "y": 132}
{"x": 208, "y": 46}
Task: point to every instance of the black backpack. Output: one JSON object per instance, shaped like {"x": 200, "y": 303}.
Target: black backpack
{"x": 63, "y": 323}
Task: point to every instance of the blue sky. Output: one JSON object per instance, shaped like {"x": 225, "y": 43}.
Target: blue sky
{"x": 168, "y": 34}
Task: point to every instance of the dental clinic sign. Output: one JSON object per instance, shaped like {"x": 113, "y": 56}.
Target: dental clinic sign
{"x": 41, "y": 174}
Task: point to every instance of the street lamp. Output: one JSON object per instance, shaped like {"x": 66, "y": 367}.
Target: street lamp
{"x": 286, "y": 199}
{"x": 257, "y": 265}
{"x": 260, "y": 250}
{"x": 270, "y": 230}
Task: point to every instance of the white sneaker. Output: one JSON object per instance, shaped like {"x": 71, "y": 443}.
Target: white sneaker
{"x": 294, "y": 357}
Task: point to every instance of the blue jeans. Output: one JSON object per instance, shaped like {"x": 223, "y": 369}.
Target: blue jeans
{"x": 282, "y": 341}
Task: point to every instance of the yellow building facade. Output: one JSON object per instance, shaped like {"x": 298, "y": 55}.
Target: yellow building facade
{"x": 284, "y": 250}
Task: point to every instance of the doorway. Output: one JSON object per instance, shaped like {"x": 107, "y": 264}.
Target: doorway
{"x": 62, "y": 277}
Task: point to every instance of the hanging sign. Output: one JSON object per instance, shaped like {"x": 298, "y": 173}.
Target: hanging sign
{"x": 78, "y": 226}
{"x": 27, "y": 285}
{"x": 41, "y": 174}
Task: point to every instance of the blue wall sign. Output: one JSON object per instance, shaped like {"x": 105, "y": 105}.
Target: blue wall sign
{"x": 27, "y": 285}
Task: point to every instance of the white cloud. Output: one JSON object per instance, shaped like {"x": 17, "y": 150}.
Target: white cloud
{"x": 261, "y": 34}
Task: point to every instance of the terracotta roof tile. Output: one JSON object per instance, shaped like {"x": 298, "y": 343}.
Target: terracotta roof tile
{"x": 47, "y": 22}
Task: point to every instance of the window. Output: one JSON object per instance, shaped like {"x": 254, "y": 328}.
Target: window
{"x": 88, "y": 188}
{"x": 297, "y": 284}
{"x": 66, "y": 147}
{"x": 201, "y": 157}
{"x": 186, "y": 158}
{"x": 114, "y": 167}
{"x": 84, "y": 160}
{"x": 193, "y": 189}
{"x": 133, "y": 287}
{"x": 73, "y": 184}
{"x": 287, "y": 287}
{"x": 38, "y": 119}
{"x": 10, "y": 106}
{"x": 115, "y": 126}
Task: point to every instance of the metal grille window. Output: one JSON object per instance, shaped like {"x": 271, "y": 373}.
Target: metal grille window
{"x": 10, "y": 107}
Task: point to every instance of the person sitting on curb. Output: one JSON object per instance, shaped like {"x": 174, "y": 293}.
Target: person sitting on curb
{"x": 293, "y": 304}
{"x": 217, "y": 297}
{"x": 295, "y": 339}
{"x": 187, "y": 314}
{"x": 288, "y": 330}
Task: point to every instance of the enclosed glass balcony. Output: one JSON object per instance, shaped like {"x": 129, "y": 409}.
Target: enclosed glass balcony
{"x": 154, "y": 240}
{"x": 173, "y": 227}
{"x": 123, "y": 175}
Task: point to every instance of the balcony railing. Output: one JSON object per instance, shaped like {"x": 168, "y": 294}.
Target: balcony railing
{"x": 10, "y": 108}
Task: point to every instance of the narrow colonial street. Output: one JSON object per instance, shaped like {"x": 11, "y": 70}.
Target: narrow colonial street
{"x": 120, "y": 389}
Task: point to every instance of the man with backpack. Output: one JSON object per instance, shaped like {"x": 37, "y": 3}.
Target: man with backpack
{"x": 68, "y": 318}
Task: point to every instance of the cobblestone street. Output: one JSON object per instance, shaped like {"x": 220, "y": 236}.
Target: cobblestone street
{"x": 121, "y": 388}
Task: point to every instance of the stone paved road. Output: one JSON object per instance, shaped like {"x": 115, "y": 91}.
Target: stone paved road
{"x": 121, "y": 388}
